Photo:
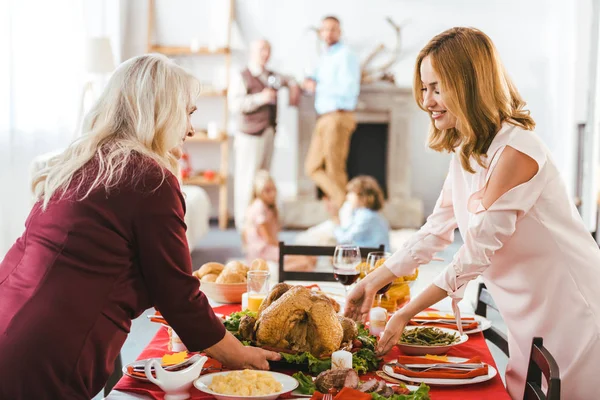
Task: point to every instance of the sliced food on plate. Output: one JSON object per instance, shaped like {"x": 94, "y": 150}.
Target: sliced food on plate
{"x": 346, "y": 379}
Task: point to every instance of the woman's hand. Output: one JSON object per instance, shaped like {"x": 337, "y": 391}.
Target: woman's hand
{"x": 359, "y": 302}
{"x": 395, "y": 326}
{"x": 360, "y": 299}
{"x": 392, "y": 333}
{"x": 256, "y": 358}
{"x": 232, "y": 354}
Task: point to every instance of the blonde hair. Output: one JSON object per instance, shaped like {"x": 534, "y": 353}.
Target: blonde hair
{"x": 475, "y": 88}
{"x": 261, "y": 180}
{"x": 143, "y": 110}
{"x": 368, "y": 190}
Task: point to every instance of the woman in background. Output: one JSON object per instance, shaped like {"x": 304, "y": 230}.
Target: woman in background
{"x": 520, "y": 228}
{"x": 106, "y": 241}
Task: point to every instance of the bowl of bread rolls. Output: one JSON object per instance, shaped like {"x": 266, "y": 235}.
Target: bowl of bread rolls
{"x": 226, "y": 283}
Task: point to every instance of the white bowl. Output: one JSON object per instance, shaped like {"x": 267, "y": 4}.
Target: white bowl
{"x": 227, "y": 293}
{"x": 420, "y": 350}
{"x": 288, "y": 383}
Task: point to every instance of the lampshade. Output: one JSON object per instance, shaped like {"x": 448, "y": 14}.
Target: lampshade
{"x": 99, "y": 56}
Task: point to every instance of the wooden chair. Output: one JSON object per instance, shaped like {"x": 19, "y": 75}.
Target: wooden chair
{"x": 285, "y": 249}
{"x": 115, "y": 376}
{"x": 542, "y": 362}
{"x": 493, "y": 334}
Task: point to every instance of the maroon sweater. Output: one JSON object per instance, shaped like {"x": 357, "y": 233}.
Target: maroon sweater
{"x": 81, "y": 271}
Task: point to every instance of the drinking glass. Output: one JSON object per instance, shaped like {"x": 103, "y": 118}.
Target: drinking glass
{"x": 258, "y": 288}
{"x": 346, "y": 259}
{"x": 374, "y": 260}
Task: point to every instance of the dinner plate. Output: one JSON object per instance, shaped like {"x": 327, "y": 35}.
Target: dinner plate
{"x": 483, "y": 322}
{"x": 421, "y": 350}
{"x": 389, "y": 370}
{"x": 288, "y": 383}
{"x": 139, "y": 363}
{"x": 142, "y": 363}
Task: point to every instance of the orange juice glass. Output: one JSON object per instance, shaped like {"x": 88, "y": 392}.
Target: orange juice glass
{"x": 254, "y": 301}
{"x": 258, "y": 288}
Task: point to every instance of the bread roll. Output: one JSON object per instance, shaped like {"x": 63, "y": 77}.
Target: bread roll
{"x": 236, "y": 266}
{"x": 231, "y": 277}
{"x": 209, "y": 278}
{"x": 259, "y": 265}
{"x": 209, "y": 268}
{"x": 234, "y": 272}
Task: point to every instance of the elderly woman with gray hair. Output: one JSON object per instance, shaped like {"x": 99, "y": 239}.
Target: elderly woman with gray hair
{"x": 106, "y": 241}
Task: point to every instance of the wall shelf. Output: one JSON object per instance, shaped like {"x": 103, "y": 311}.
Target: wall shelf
{"x": 186, "y": 51}
{"x": 201, "y": 138}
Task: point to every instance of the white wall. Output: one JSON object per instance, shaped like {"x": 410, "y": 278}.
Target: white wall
{"x": 535, "y": 38}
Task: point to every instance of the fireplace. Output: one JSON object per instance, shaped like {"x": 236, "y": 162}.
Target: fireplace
{"x": 367, "y": 155}
{"x": 368, "y": 150}
{"x": 380, "y": 147}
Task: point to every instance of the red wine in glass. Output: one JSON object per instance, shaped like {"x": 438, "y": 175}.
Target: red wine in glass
{"x": 346, "y": 278}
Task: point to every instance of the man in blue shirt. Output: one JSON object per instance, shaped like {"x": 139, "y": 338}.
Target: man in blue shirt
{"x": 336, "y": 84}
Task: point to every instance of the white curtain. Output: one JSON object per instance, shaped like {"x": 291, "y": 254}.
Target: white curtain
{"x": 41, "y": 77}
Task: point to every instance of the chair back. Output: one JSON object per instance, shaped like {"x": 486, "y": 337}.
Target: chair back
{"x": 542, "y": 362}
{"x": 493, "y": 334}
{"x": 285, "y": 249}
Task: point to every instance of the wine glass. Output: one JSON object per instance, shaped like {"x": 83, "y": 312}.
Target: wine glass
{"x": 374, "y": 260}
{"x": 345, "y": 260}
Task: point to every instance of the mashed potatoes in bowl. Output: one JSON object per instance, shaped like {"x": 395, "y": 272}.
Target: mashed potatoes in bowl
{"x": 246, "y": 384}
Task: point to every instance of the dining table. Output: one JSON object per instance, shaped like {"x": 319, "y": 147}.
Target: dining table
{"x": 134, "y": 389}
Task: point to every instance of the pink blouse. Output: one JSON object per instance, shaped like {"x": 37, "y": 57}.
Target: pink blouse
{"x": 535, "y": 255}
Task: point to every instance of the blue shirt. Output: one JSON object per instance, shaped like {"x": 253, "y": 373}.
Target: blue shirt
{"x": 366, "y": 228}
{"x": 338, "y": 80}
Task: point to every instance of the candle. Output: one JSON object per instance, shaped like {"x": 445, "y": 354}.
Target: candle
{"x": 244, "y": 301}
{"x": 341, "y": 359}
{"x": 377, "y": 319}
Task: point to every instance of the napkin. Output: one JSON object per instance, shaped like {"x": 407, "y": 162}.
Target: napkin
{"x": 345, "y": 394}
{"x": 439, "y": 373}
{"x": 449, "y": 325}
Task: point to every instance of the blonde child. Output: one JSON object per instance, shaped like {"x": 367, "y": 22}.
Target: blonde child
{"x": 262, "y": 220}
{"x": 262, "y": 226}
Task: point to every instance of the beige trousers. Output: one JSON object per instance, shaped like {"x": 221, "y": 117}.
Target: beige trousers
{"x": 326, "y": 159}
{"x": 252, "y": 153}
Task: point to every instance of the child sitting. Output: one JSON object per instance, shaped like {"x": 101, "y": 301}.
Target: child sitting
{"x": 364, "y": 226}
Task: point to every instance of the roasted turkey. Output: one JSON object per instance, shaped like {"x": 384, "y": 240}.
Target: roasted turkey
{"x": 297, "y": 319}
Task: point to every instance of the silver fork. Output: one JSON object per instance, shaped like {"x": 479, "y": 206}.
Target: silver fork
{"x": 328, "y": 396}
{"x": 423, "y": 368}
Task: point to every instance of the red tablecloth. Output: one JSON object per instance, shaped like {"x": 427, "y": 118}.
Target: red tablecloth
{"x": 475, "y": 346}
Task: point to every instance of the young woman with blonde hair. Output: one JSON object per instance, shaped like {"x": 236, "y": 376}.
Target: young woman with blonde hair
{"x": 106, "y": 241}
{"x": 520, "y": 229}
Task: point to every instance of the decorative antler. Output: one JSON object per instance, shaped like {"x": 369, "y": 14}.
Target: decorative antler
{"x": 381, "y": 72}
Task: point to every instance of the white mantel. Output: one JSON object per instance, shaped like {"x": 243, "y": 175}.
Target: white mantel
{"x": 377, "y": 103}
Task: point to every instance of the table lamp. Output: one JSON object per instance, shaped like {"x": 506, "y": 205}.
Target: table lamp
{"x": 98, "y": 63}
